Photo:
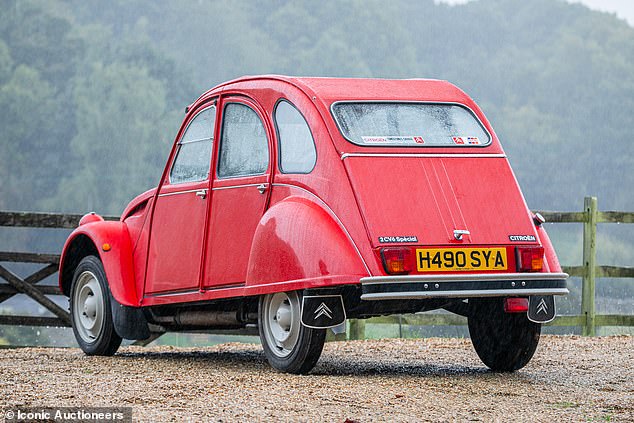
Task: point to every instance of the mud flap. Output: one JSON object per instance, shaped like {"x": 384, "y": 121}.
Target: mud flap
{"x": 129, "y": 322}
{"x": 323, "y": 311}
{"x": 541, "y": 308}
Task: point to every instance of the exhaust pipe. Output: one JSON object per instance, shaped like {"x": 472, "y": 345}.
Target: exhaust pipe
{"x": 207, "y": 318}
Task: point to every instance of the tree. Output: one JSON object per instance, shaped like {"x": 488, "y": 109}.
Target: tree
{"x": 121, "y": 138}
{"x": 25, "y": 141}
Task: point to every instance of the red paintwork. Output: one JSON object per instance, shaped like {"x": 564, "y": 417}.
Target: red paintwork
{"x": 176, "y": 240}
{"x": 118, "y": 261}
{"x": 331, "y": 252}
{"x": 314, "y": 230}
{"x": 236, "y": 209}
{"x": 90, "y": 218}
{"x": 430, "y": 197}
{"x": 232, "y": 228}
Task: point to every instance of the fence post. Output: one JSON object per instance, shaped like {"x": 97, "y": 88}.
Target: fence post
{"x": 357, "y": 329}
{"x": 589, "y": 264}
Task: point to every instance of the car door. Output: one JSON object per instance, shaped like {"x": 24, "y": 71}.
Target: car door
{"x": 179, "y": 220}
{"x": 240, "y": 192}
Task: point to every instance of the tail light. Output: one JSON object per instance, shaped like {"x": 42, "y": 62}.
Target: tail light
{"x": 516, "y": 305}
{"x": 530, "y": 259}
{"x": 397, "y": 260}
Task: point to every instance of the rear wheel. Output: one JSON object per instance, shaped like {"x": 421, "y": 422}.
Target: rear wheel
{"x": 90, "y": 311}
{"x": 288, "y": 345}
{"x": 504, "y": 342}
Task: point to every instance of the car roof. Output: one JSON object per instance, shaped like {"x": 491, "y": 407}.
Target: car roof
{"x": 324, "y": 92}
{"x": 329, "y": 90}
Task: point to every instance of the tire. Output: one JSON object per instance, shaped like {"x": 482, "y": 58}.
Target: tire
{"x": 90, "y": 311}
{"x": 504, "y": 342}
{"x": 288, "y": 345}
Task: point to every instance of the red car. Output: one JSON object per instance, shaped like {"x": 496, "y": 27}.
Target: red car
{"x": 292, "y": 204}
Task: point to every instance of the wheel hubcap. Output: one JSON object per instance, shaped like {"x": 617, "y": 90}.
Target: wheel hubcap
{"x": 88, "y": 307}
{"x": 281, "y": 322}
{"x": 283, "y": 316}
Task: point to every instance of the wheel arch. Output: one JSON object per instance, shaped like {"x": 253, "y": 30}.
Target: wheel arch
{"x": 298, "y": 239}
{"x": 110, "y": 242}
{"x": 75, "y": 250}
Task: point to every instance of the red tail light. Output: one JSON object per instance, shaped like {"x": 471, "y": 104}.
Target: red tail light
{"x": 530, "y": 259}
{"x": 516, "y": 305}
{"x": 397, "y": 260}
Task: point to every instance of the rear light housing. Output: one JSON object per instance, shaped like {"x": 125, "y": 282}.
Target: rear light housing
{"x": 529, "y": 259}
{"x": 516, "y": 305}
{"x": 397, "y": 260}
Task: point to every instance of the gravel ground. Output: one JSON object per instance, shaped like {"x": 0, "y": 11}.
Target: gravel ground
{"x": 569, "y": 379}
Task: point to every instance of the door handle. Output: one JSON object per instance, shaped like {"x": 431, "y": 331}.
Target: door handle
{"x": 202, "y": 194}
{"x": 262, "y": 188}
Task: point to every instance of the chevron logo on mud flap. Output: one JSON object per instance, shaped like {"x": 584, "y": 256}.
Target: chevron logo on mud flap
{"x": 323, "y": 310}
{"x": 541, "y": 308}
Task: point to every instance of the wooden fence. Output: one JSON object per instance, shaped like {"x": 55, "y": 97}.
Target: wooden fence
{"x": 588, "y": 271}
{"x": 50, "y": 263}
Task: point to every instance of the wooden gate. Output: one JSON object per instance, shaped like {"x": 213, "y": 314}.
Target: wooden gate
{"x": 14, "y": 284}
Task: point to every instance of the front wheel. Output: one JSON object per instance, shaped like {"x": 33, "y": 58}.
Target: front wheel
{"x": 504, "y": 342}
{"x": 90, "y": 311}
{"x": 288, "y": 345}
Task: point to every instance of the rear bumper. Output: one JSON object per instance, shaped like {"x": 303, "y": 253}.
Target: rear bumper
{"x": 462, "y": 286}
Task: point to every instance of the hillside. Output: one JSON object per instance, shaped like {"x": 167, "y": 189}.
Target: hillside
{"x": 92, "y": 96}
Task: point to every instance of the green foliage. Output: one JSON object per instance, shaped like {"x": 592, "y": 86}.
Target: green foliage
{"x": 93, "y": 94}
{"x": 5, "y": 62}
{"x": 25, "y": 101}
{"x": 120, "y": 111}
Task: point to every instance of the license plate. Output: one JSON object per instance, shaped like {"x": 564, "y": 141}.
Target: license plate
{"x": 457, "y": 259}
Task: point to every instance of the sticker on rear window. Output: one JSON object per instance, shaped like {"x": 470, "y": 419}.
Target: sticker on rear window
{"x": 397, "y": 239}
{"x": 393, "y": 140}
{"x": 374, "y": 140}
{"x": 466, "y": 140}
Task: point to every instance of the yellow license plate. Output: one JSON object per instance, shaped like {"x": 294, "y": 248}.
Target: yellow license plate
{"x": 457, "y": 259}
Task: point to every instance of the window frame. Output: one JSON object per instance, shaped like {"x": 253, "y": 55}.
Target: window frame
{"x": 279, "y": 138}
{"x": 444, "y": 103}
{"x": 221, "y": 135}
{"x": 180, "y": 143}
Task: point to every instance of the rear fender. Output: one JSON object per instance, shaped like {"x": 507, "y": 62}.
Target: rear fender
{"x": 298, "y": 240}
{"x": 116, "y": 256}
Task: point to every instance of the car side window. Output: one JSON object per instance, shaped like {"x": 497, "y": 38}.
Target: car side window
{"x": 194, "y": 149}
{"x": 296, "y": 143}
{"x": 244, "y": 148}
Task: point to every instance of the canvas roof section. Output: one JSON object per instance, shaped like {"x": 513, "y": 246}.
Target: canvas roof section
{"x": 330, "y": 90}
{"x": 346, "y": 89}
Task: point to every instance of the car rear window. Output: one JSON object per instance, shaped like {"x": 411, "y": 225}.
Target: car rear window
{"x": 409, "y": 124}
